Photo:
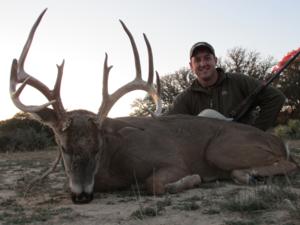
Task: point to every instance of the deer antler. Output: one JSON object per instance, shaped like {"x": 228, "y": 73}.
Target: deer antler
{"x": 19, "y": 76}
{"x": 108, "y": 100}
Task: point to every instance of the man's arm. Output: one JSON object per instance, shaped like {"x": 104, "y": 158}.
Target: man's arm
{"x": 270, "y": 102}
{"x": 269, "y": 99}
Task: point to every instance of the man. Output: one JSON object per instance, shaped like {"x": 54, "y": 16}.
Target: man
{"x": 223, "y": 92}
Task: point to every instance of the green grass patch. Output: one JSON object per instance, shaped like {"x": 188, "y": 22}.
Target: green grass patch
{"x": 151, "y": 211}
{"x": 261, "y": 198}
{"x": 188, "y": 204}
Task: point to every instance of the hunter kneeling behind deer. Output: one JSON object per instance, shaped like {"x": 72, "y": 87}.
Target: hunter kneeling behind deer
{"x": 169, "y": 153}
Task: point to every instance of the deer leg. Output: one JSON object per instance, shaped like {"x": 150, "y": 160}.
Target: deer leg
{"x": 248, "y": 176}
{"x": 184, "y": 183}
{"x": 160, "y": 181}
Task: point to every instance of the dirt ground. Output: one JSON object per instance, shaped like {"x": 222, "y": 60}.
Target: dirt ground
{"x": 276, "y": 201}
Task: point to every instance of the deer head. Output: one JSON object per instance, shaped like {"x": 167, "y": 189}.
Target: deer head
{"x": 78, "y": 132}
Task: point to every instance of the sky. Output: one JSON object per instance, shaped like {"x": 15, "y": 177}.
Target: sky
{"x": 81, "y": 32}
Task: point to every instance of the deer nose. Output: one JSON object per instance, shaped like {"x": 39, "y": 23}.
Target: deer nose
{"x": 82, "y": 198}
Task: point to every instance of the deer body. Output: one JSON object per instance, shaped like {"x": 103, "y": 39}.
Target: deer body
{"x": 188, "y": 145}
{"x": 160, "y": 151}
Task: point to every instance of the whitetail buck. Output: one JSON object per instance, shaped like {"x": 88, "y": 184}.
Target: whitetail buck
{"x": 168, "y": 153}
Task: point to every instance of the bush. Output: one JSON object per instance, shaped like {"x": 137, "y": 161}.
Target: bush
{"x": 24, "y": 134}
{"x": 291, "y": 130}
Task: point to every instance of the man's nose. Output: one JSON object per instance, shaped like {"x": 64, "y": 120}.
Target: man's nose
{"x": 202, "y": 63}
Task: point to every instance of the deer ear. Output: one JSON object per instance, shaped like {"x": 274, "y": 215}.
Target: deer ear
{"x": 46, "y": 116}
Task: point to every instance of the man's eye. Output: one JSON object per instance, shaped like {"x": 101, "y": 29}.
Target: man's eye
{"x": 198, "y": 60}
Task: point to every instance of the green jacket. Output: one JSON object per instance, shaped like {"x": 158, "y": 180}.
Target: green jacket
{"x": 228, "y": 92}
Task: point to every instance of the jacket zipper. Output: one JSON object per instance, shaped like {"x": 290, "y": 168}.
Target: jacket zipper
{"x": 211, "y": 103}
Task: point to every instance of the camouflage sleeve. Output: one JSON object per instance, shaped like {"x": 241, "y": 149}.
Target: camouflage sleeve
{"x": 270, "y": 102}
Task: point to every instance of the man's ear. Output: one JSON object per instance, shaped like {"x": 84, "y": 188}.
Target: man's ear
{"x": 216, "y": 59}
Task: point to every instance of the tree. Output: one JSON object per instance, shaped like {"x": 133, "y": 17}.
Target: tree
{"x": 251, "y": 63}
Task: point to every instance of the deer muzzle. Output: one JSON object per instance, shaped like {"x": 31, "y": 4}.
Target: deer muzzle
{"x": 81, "y": 194}
{"x": 82, "y": 198}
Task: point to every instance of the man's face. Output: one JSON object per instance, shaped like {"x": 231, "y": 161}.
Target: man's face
{"x": 203, "y": 65}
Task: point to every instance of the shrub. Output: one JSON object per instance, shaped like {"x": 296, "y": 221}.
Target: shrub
{"x": 291, "y": 130}
{"x": 24, "y": 134}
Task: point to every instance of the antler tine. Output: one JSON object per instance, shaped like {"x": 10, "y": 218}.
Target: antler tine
{"x": 29, "y": 40}
{"x": 155, "y": 94}
{"x": 137, "y": 84}
{"x": 106, "y": 70}
{"x": 135, "y": 51}
{"x": 158, "y": 102}
{"x": 150, "y": 60}
{"x": 19, "y": 76}
{"x": 56, "y": 91}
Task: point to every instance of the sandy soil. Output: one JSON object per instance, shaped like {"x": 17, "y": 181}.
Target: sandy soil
{"x": 216, "y": 203}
